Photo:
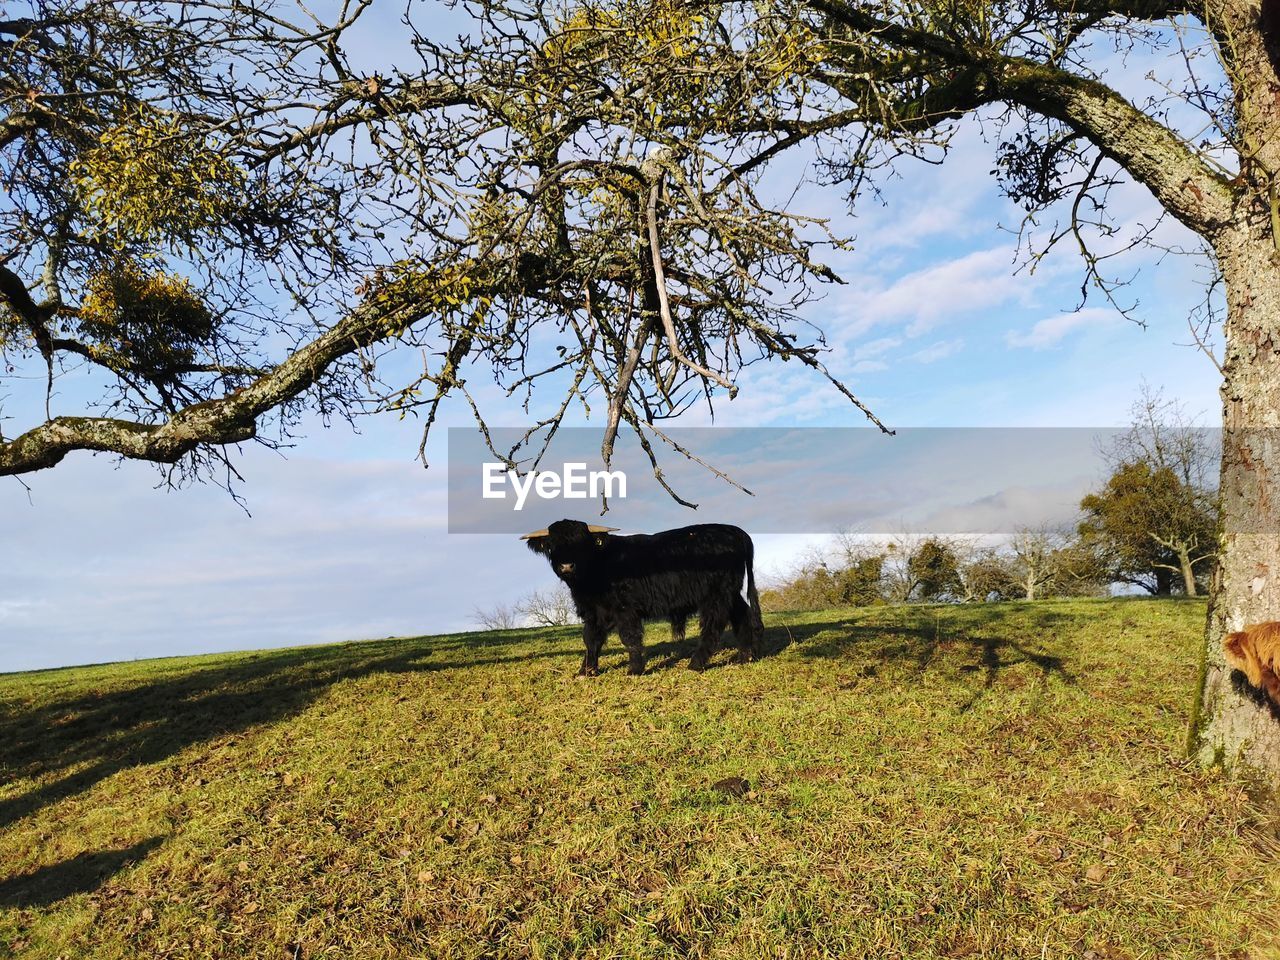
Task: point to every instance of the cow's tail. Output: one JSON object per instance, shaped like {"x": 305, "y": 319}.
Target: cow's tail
{"x": 757, "y": 621}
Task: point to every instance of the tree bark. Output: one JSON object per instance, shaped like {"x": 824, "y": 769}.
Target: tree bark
{"x": 1231, "y": 727}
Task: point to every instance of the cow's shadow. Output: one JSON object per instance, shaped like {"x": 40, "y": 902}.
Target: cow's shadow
{"x": 669, "y": 654}
{"x": 675, "y": 654}
{"x": 1243, "y": 688}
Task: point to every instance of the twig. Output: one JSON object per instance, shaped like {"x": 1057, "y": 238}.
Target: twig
{"x": 664, "y": 308}
{"x": 696, "y": 459}
{"x": 1204, "y": 347}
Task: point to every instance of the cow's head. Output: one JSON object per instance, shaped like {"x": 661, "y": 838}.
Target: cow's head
{"x": 1241, "y": 655}
{"x": 570, "y": 545}
{"x": 1255, "y": 651}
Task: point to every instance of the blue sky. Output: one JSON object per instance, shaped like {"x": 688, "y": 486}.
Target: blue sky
{"x": 345, "y": 536}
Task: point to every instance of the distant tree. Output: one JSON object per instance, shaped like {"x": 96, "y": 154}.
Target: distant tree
{"x": 1047, "y": 561}
{"x": 987, "y": 573}
{"x": 542, "y": 608}
{"x": 860, "y": 581}
{"x": 847, "y": 572}
{"x": 933, "y": 569}
{"x": 898, "y": 582}
{"x": 501, "y": 616}
{"x": 776, "y": 597}
{"x": 1149, "y": 528}
{"x": 1035, "y": 566}
{"x": 1034, "y": 561}
{"x": 910, "y": 569}
{"x": 917, "y": 568}
{"x": 823, "y": 584}
{"x": 1163, "y": 435}
{"x": 548, "y": 608}
{"x": 1079, "y": 573}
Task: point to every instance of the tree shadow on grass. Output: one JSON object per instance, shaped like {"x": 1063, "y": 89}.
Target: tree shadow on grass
{"x": 123, "y": 723}
{"x": 997, "y": 653}
{"x": 984, "y": 633}
{"x": 98, "y": 733}
{"x": 81, "y": 874}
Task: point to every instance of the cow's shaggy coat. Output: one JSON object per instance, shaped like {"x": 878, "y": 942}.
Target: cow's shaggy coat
{"x": 1255, "y": 652}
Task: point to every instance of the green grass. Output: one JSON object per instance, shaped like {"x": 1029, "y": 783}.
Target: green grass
{"x": 982, "y": 781}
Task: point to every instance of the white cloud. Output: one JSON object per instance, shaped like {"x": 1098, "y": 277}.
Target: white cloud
{"x": 869, "y": 366}
{"x": 1050, "y": 331}
{"x": 1015, "y": 508}
{"x": 874, "y": 348}
{"x": 937, "y": 351}
{"x": 931, "y": 203}
{"x": 939, "y": 293}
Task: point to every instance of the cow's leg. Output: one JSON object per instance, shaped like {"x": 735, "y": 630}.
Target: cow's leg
{"x": 677, "y": 628}
{"x": 594, "y": 634}
{"x": 712, "y": 620}
{"x": 631, "y": 632}
{"x": 743, "y": 630}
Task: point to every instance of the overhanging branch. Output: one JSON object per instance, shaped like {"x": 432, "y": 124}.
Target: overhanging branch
{"x": 229, "y": 419}
{"x": 1151, "y": 153}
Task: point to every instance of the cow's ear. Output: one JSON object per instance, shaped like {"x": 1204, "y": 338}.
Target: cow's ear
{"x": 599, "y": 540}
{"x": 537, "y": 541}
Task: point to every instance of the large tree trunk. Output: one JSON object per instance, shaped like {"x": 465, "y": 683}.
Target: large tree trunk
{"x": 1230, "y": 727}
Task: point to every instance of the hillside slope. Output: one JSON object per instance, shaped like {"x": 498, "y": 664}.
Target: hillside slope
{"x": 985, "y": 781}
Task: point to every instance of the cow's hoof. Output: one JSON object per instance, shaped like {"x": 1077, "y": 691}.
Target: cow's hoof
{"x": 588, "y": 672}
{"x": 636, "y": 671}
{"x": 745, "y": 656}
{"x": 697, "y": 663}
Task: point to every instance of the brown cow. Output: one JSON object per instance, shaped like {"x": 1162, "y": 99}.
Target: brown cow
{"x": 1255, "y": 652}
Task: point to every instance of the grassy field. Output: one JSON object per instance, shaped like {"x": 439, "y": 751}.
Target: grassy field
{"x": 982, "y": 781}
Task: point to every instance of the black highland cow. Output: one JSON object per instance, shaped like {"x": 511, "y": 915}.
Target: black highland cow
{"x": 619, "y": 582}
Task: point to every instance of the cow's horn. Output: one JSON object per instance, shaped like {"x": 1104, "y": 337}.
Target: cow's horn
{"x": 536, "y": 533}
{"x": 592, "y": 528}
